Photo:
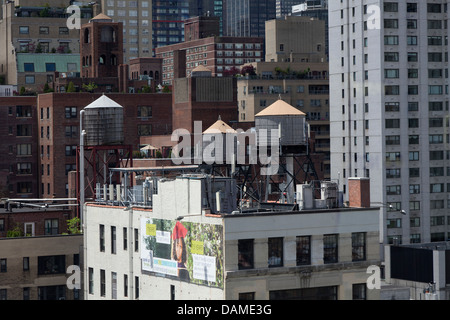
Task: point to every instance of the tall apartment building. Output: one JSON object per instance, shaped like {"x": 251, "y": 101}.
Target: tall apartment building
{"x": 245, "y": 18}
{"x": 136, "y": 17}
{"x": 168, "y": 17}
{"x": 284, "y": 7}
{"x": 389, "y": 111}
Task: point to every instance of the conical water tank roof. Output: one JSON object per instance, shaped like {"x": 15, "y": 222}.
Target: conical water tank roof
{"x": 280, "y": 108}
{"x": 103, "y": 120}
{"x": 221, "y": 126}
{"x": 286, "y": 120}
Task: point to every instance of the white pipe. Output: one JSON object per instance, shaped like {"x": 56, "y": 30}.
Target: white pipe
{"x": 81, "y": 173}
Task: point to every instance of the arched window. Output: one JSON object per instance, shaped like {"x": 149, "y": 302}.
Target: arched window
{"x": 84, "y": 61}
{"x": 151, "y": 74}
{"x": 102, "y": 59}
{"x": 113, "y": 60}
{"x": 156, "y": 75}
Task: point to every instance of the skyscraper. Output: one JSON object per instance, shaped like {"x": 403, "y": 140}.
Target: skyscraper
{"x": 389, "y": 111}
{"x": 245, "y": 18}
{"x": 168, "y": 17}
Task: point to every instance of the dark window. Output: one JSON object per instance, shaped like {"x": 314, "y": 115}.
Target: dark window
{"x": 330, "y": 248}
{"x": 358, "y": 246}
{"x": 303, "y": 250}
{"x": 52, "y": 264}
{"x": 275, "y": 246}
{"x": 3, "y": 265}
{"x": 113, "y": 239}
{"x": 102, "y": 283}
{"x": 50, "y": 67}
{"x": 51, "y": 226}
{"x": 52, "y": 293}
{"x": 359, "y": 291}
{"x": 245, "y": 254}
{"x": 71, "y": 112}
{"x": 102, "y": 238}
{"x": 28, "y": 67}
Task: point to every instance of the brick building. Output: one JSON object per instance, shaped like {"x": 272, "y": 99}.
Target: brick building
{"x": 33, "y": 222}
{"x": 222, "y": 55}
{"x": 59, "y": 113}
{"x": 18, "y": 150}
{"x": 101, "y": 47}
{"x": 203, "y": 98}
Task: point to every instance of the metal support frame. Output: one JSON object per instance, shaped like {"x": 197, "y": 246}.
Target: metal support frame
{"x": 252, "y": 186}
{"x": 98, "y": 167}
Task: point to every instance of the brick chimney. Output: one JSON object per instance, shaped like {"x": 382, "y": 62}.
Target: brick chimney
{"x": 359, "y": 192}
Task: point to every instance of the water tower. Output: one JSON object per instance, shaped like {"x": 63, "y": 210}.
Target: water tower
{"x": 101, "y": 146}
{"x": 291, "y": 129}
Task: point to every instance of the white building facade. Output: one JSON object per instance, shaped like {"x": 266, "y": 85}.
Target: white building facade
{"x": 180, "y": 249}
{"x": 389, "y": 111}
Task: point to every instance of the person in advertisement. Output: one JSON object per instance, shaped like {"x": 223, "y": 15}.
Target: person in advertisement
{"x": 179, "y": 252}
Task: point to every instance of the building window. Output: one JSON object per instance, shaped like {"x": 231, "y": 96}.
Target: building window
{"x": 102, "y": 238}
{"x": 144, "y": 130}
{"x": 359, "y": 291}
{"x": 70, "y": 112}
{"x": 24, "y": 30}
{"x": 275, "y": 246}
{"x": 125, "y": 238}
{"x": 102, "y": 283}
{"x": 125, "y": 285}
{"x": 28, "y": 67}
{"x": 29, "y": 79}
{"x": 52, "y": 264}
{"x": 136, "y": 240}
{"x": 330, "y": 248}
{"x": 245, "y": 254}
{"x": 144, "y": 111}
{"x": 24, "y": 187}
{"x": 51, "y": 226}
{"x": 136, "y": 287}
{"x": 113, "y": 239}
{"x": 246, "y": 296}
{"x": 394, "y": 223}
{"x": 3, "y": 265}
{"x": 113, "y": 285}
{"x": 91, "y": 281}
{"x": 50, "y": 67}
{"x": 26, "y": 263}
{"x": 26, "y": 293}
{"x": 358, "y": 246}
{"x": 303, "y": 244}
{"x": 63, "y": 30}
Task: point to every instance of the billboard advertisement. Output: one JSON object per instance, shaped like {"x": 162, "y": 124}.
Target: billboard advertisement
{"x": 189, "y": 251}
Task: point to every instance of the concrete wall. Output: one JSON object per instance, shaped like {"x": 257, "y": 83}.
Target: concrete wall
{"x": 261, "y": 279}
